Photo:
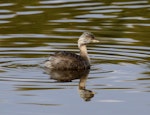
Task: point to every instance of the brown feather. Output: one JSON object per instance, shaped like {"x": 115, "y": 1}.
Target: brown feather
{"x": 67, "y": 60}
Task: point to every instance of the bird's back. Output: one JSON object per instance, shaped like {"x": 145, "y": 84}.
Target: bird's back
{"x": 66, "y": 61}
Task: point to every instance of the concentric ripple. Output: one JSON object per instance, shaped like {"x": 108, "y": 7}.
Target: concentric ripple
{"x": 119, "y": 77}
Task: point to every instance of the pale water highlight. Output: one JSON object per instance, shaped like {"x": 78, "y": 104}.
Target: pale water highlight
{"x": 119, "y": 80}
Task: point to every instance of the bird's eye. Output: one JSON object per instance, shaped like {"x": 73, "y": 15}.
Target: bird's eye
{"x": 92, "y": 37}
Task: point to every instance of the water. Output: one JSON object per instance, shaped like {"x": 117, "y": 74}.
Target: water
{"x": 118, "y": 82}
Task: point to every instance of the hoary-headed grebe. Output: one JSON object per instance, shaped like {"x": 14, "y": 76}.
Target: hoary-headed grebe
{"x": 64, "y": 60}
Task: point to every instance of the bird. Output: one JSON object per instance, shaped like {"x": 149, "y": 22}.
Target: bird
{"x": 64, "y": 60}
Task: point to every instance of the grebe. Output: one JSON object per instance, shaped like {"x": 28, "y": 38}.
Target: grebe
{"x": 64, "y": 60}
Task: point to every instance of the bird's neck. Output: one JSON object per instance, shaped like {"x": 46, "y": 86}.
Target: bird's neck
{"x": 82, "y": 83}
{"x": 84, "y": 53}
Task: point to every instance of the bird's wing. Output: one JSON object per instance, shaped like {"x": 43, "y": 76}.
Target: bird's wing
{"x": 67, "y": 60}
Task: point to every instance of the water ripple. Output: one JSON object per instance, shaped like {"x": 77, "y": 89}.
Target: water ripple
{"x": 120, "y": 63}
{"x": 59, "y": 1}
{"x": 29, "y": 12}
{"x": 6, "y": 4}
{"x": 131, "y": 2}
{"x": 69, "y": 20}
{"x": 4, "y": 21}
{"x": 5, "y": 11}
{"x": 6, "y": 16}
{"x": 32, "y": 36}
{"x": 99, "y": 16}
{"x": 117, "y": 53}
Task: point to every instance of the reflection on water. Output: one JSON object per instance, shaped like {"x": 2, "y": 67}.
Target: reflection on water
{"x": 30, "y": 30}
{"x": 68, "y": 76}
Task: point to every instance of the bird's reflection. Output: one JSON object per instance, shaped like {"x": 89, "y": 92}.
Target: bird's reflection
{"x": 68, "y": 76}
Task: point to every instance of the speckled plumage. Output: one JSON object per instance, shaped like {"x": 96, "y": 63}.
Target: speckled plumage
{"x": 67, "y": 60}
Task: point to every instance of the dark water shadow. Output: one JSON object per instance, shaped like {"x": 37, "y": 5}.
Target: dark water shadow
{"x": 68, "y": 75}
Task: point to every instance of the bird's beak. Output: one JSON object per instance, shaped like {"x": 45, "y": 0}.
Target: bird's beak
{"x": 95, "y": 41}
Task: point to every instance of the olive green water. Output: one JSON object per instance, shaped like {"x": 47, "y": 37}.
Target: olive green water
{"x": 30, "y": 30}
